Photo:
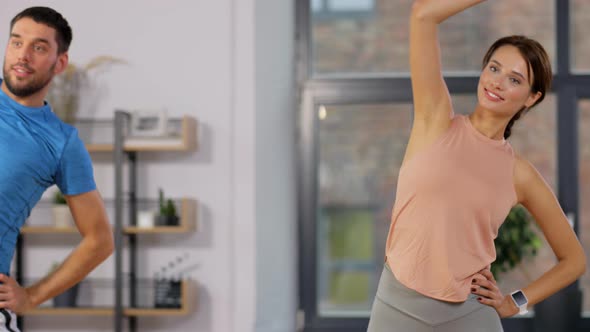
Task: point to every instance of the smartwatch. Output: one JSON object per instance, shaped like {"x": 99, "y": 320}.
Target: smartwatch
{"x": 520, "y": 300}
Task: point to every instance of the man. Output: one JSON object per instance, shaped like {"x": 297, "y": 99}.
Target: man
{"x": 37, "y": 150}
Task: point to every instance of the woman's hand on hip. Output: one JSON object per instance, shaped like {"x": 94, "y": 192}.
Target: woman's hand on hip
{"x": 485, "y": 287}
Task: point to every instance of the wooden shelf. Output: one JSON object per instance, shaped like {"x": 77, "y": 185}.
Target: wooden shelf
{"x": 187, "y": 141}
{"x": 51, "y": 311}
{"x": 187, "y": 294}
{"x": 137, "y": 312}
{"x": 48, "y": 230}
{"x": 188, "y": 220}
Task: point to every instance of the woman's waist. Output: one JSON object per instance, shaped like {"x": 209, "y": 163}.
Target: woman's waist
{"x": 437, "y": 275}
{"x": 430, "y": 251}
{"x": 422, "y": 306}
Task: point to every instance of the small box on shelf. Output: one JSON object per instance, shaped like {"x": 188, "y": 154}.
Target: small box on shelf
{"x": 168, "y": 293}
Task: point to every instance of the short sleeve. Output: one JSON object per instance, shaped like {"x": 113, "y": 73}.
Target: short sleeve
{"x": 74, "y": 173}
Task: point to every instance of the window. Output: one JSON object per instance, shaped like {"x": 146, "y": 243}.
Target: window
{"x": 580, "y": 12}
{"x": 339, "y": 9}
{"x": 360, "y": 150}
{"x": 353, "y": 44}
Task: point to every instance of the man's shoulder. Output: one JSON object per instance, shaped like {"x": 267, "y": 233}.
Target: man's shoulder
{"x": 52, "y": 122}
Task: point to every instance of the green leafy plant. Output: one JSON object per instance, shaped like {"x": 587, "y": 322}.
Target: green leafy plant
{"x": 167, "y": 207}
{"x": 516, "y": 240}
{"x": 59, "y": 199}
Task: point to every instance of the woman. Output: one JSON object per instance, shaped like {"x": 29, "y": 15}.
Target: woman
{"x": 458, "y": 181}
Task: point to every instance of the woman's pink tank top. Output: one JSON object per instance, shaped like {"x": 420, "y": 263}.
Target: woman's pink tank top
{"x": 451, "y": 199}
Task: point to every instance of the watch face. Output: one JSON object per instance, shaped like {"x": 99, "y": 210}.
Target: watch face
{"x": 519, "y": 298}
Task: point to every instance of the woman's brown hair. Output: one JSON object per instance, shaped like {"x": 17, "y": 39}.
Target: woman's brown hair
{"x": 537, "y": 60}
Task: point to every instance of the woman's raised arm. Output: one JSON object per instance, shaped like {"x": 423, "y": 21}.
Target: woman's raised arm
{"x": 430, "y": 93}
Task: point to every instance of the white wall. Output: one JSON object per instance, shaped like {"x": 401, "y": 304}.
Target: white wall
{"x": 228, "y": 63}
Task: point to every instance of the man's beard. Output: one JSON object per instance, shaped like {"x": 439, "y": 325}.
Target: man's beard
{"x": 32, "y": 87}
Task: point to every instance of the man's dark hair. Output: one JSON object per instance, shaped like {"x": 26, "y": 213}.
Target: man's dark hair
{"x": 51, "y": 18}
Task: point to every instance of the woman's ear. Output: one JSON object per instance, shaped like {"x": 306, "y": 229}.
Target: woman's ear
{"x": 532, "y": 99}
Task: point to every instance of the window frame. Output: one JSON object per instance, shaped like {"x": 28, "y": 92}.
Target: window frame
{"x": 326, "y": 13}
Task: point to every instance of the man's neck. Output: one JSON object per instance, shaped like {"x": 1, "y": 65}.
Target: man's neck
{"x": 34, "y": 100}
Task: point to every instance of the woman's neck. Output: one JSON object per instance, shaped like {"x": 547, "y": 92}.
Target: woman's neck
{"x": 487, "y": 124}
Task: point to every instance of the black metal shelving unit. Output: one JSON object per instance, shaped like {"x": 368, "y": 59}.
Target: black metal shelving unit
{"x": 119, "y": 153}
{"x": 125, "y": 203}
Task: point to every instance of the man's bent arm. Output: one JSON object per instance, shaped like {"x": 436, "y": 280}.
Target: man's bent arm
{"x": 97, "y": 245}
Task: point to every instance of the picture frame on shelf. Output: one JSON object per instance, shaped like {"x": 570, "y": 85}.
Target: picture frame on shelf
{"x": 148, "y": 124}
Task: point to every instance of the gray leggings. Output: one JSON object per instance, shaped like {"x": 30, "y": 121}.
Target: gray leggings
{"x": 399, "y": 309}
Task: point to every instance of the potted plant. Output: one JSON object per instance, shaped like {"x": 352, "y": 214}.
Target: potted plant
{"x": 167, "y": 214}
{"x": 516, "y": 240}
{"x": 62, "y": 217}
{"x": 69, "y": 297}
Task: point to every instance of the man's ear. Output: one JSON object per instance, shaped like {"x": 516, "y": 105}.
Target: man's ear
{"x": 62, "y": 63}
{"x": 533, "y": 99}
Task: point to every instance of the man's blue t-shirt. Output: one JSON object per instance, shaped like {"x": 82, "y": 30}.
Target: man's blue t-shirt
{"x": 37, "y": 150}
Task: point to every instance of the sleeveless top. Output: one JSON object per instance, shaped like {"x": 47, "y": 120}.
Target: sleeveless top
{"x": 452, "y": 198}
